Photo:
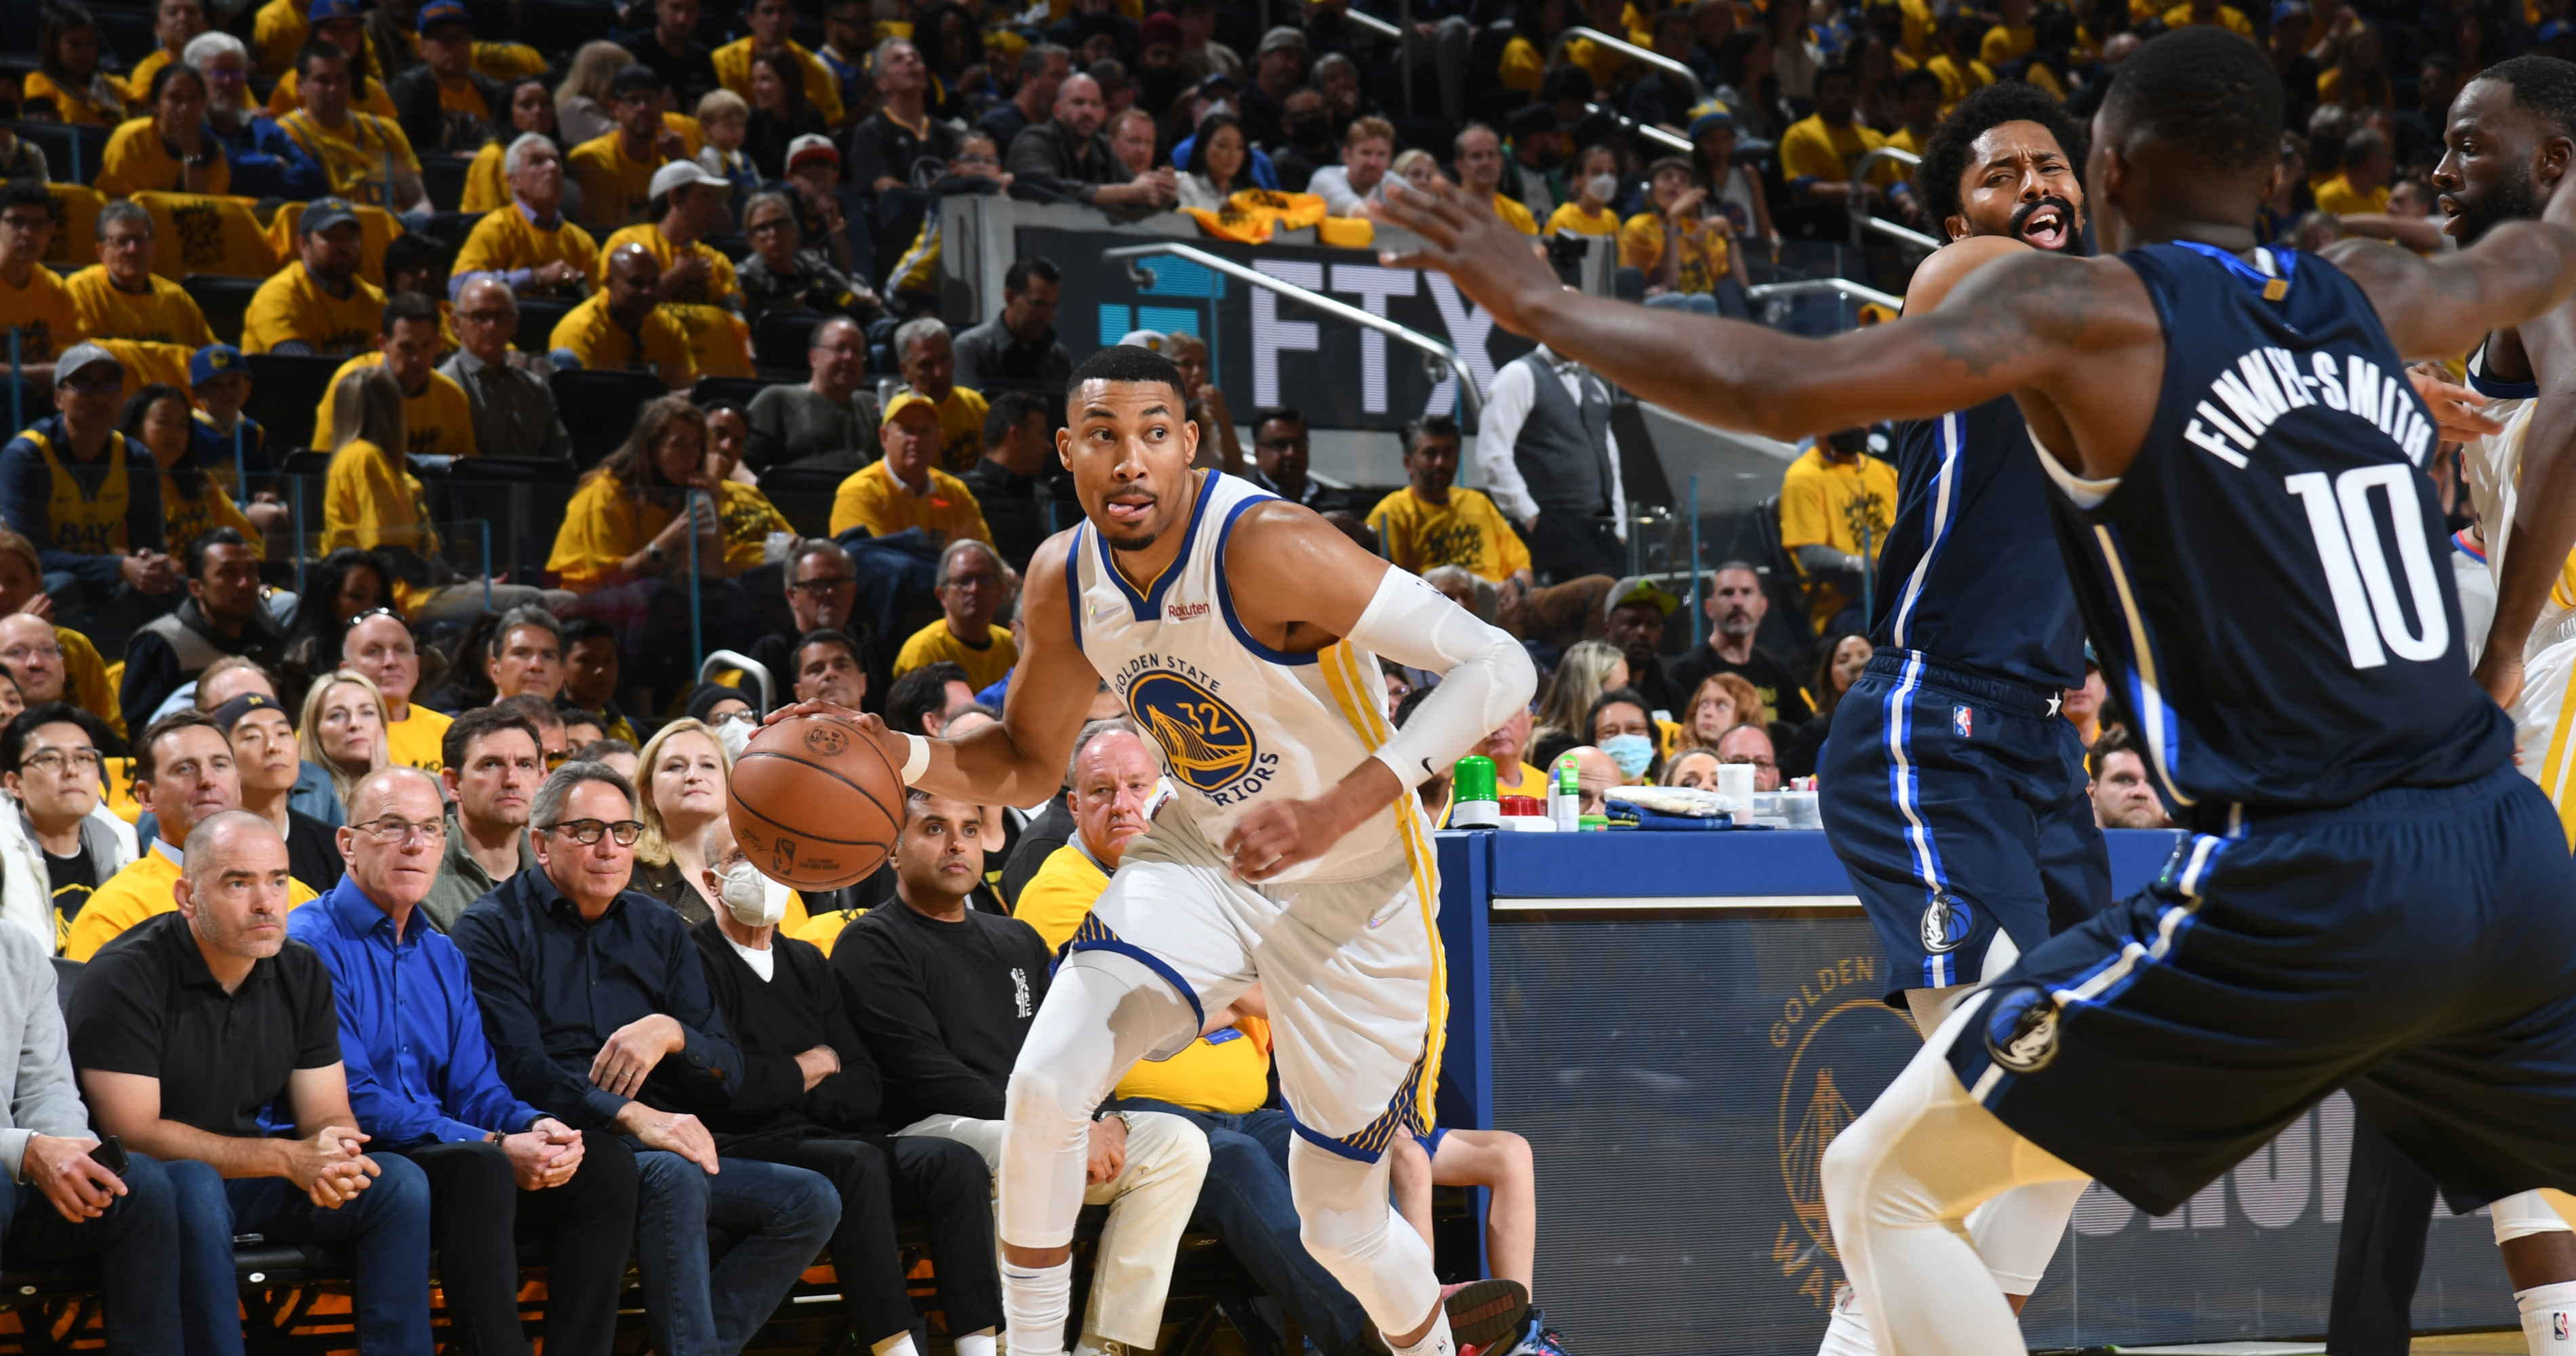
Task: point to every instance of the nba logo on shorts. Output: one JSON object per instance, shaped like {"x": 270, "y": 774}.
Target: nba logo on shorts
{"x": 1963, "y": 721}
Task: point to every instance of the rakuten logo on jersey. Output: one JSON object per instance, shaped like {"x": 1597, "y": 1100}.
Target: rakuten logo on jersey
{"x": 2267, "y": 384}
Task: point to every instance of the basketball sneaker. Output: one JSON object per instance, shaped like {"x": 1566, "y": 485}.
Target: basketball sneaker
{"x": 1485, "y": 1314}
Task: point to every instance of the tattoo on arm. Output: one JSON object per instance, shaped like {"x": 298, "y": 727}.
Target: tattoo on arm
{"x": 2012, "y": 310}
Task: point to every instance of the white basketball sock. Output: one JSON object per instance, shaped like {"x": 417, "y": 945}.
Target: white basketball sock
{"x": 1847, "y": 1332}
{"x": 1035, "y": 1302}
{"x": 898, "y": 1345}
{"x": 1436, "y": 1342}
{"x": 2548, "y": 1318}
{"x": 976, "y": 1343}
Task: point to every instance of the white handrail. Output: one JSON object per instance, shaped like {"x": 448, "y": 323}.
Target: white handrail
{"x": 1647, "y": 55}
{"x": 1841, "y": 287}
{"x": 1858, "y": 203}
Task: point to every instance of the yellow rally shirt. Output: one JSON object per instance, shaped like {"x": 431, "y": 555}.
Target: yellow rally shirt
{"x": 87, "y": 675}
{"x": 86, "y": 522}
{"x": 438, "y": 422}
{"x": 165, "y": 314}
{"x": 1515, "y": 215}
{"x": 935, "y": 643}
{"x": 712, "y": 290}
{"x": 43, "y": 313}
{"x": 733, "y": 69}
{"x": 1467, "y": 531}
{"x": 418, "y": 738}
{"x": 961, "y": 430}
{"x": 593, "y": 336}
{"x": 359, "y": 157}
{"x": 1703, "y": 261}
{"x": 186, "y": 517}
{"x": 139, "y": 893}
{"x": 1822, "y": 503}
{"x": 614, "y": 188}
{"x": 1814, "y": 148}
{"x": 2338, "y": 196}
{"x": 277, "y": 31}
{"x": 1570, "y": 219}
{"x": 505, "y": 239}
{"x": 875, "y": 500}
{"x": 294, "y": 306}
{"x": 138, "y": 160}
{"x": 370, "y": 499}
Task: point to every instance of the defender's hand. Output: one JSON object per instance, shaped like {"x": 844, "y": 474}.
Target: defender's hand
{"x": 1492, "y": 263}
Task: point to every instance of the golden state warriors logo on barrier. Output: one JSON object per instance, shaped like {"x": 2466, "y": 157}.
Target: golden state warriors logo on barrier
{"x": 1844, "y": 1047}
{"x": 1206, "y": 743}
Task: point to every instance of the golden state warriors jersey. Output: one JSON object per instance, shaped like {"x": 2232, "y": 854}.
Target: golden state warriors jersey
{"x": 1238, "y": 724}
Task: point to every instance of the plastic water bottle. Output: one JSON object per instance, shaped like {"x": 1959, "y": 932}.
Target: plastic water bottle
{"x": 1565, "y": 794}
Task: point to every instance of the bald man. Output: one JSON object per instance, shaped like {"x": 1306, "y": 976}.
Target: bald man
{"x": 621, "y": 328}
{"x": 514, "y": 413}
{"x": 831, "y": 415}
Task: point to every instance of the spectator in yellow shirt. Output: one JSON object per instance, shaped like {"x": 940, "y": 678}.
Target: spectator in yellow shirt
{"x": 620, "y": 327}
{"x": 318, "y": 305}
{"x": 380, "y": 646}
{"x": 279, "y": 30}
{"x": 771, "y": 21}
{"x": 1433, "y": 522}
{"x": 120, "y": 297}
{"x": 370, "y": 499}
{"x": 157, "y": 419}
{"x": 528, "y": 243}
{"x": 2363, "y": 185}
{"x": 1684, "y": 252}
{"x": 183, "y": 773}
{"x": 2011, "y": 39}
{"x": 615, "y": 169}
{"x": 1480, "y": 172}
{"x": 1819, "y": 152}
{"x": 67, "y": 73}
{"x": 170, "y": 151}
{"x": 2193, "y": 12}
{"x": 1918, "y": 110}
{"x": 928, "y": 358}
{"x": 364, "y": 155}
{"x": 175, "y": 24}
{"x": 438, "y": 418}
{"x": 34, "y": 303}
{"x": 630, "y": 521}
{"x": 1836, "y": 504}
{"x": 698, "y": 287}
{"x": 972, "y": 587}
{"x": 1596, "y": 183}
{"x": 529, "y": 106}
{"x": 905, "y": 488}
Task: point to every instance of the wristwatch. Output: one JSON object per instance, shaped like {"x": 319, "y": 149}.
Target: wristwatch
{"x": 198, "y": 161}
{"x": 653, "y": 552}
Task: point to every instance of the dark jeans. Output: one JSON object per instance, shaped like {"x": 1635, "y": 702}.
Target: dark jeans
{"x": 385, "y": 1230}
{"x": 694, "y": 1303}
{"x": 2379, "y": 1255}
{"x": 943, "y": 1181}
{"x": 1245, "y": 1201}
{"x": 478, "y": 1214}
{"x": 1566, "y": 545}
{"x": 137, "y": 1243}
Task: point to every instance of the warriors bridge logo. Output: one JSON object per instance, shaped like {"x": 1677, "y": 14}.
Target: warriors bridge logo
{"x": 1844, "y": 1046}
{"x": 1204, "y": 741}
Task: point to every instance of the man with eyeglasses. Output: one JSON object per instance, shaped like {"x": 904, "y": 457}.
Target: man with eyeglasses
{"x": 224, "y": 614}
{"x": 598, "y": 1008}
{"x": 822, "y": 595}
{"x": 183, "y": 774}
{"x": 514, "y": 414}
{"x": 67, "y": 841}
{"x": 266, "y": 162}
{"x": 426, "y": 1087}
{"x": 34, "y": 300}
{"x": 120, "y": 297}
{"x": 972, "y": 586}
{"x": 831, "y": 419}
{"x": 1279, "y": 448}
{"x": 1751, "y": 743}
{"x": 91, "y": 501}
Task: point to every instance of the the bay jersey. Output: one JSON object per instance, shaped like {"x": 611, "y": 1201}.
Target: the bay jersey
{"x": 1237, "y": 724}
{"x": 2267, "y": 585}
{"x": 1970, "y": 574}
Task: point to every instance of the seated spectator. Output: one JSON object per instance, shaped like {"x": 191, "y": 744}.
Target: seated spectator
{"x": 90, "y": 500}
{"x": 68, "y": 841}
{"x": 1750, "y": 744}
{"x": 342, "y": 24}
{"x": 1219, "y": 164}
{"x": 34, "y": 301}
{"x": 679, "y": 791}
{"x": 317, "y": 306}
{"x": 628, "y": 528}
{"x": 726, "y": 120}
{"x": 444, "y": 104}
{"x": 1020, "y": 482}
{"x": 2362, "y": 186}
{"x": 828, "y": 670}
{"x": 531, "y": 112}
{"x": 546, "y": 717}
{"x": 1633, "y": 615}
{"x": 1367, "y": 150}
{"x": 233, "y": 676}
{"x": 223, "y": 615}
{"x": 697, "y": 286}
{"x": 267, "y": 760}
{"x": 221, "y": 438}
{"x": 438, "y": 417}
{"x": 183, "y": 773}
{"x": 1219, "y": 448}
{"x": 928, "y": 359}
{"x": 1500, "y": 1162}
{"x": 366, "y": 157}
{"x": 513, "y": 411}
{"x": 157, "y": 419}
{"x": 1819, "y": 152}
{"x": 905, "y": 488}
{"x": 972, "y": 586}
{"x": 1020, "y": 343}
{"x": 671, "y": 47}
{"x": 831, "y": 420}
{"x": 811, "y": 1096}
{"x": 2123, "y": 797}
{"x": 582, "y": 728}
{"x": 1044, "y": 67}
{"x": 617, "y": 755}
{"x": 770, "y": 22}
{"x": 1507, "y": 745}
{"x": 822, "y": 585}
{"x": 591, "y": 666}
{"x": 781, "y": 115}
{"x": 534, "y": 248}
{"x": 342, "y": 730}
{"x": 1053, "y": 827}
{"x": 526, "y": 655}
{"x": 1069, "y": 157}
{"x": 889, "y": 147}
{"x": 1831, "y": 498}
{"x": 1480, "y": 172}
{"x": 344, "y": 585}
{"x": 380, "y": 648}
{"x": 1590, "y": 212}
{"x": 783, "y": 273}
{"x": 1681, "y": 243}
{"x": 1434, "y": 522}
{"x": 171, "y": 150}
{"x": 264, "y": 162}
{"x": 1720, "y": 703}
{"x": 622, "y": 327}
{"x": 945, "y": 995}
{"x": 921, "y": 702}
{"x": 1695, "y": 767}
{"x": 584, "y": 97}
{"x": 1839, "y": 663}
{"x": 1280, "y": 445}
{"x": 1735, "y": 606}
{"x": 846, "y": 28}
{"x": 615, "y": 168}
{"x": 183, "y": 1069}
{"x": 426, "y": 1088}
{"x": 1621, "y": 725}
{"x": 175, "y": 23}
{"x": 601, "y": 1018}
{"x": 1133, "y": 138}
{"x": 69, "y": 77}
{"x": 1307, "y": 147}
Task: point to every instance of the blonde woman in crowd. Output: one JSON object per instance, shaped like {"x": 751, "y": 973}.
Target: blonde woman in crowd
{"x": 581, "y": 101}
{"x": 1588, "y": 669}
{"x": 343, "y": 729}
{"x": 680, "y": 783}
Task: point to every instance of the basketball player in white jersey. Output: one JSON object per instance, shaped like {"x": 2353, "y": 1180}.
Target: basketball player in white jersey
{"x": 1243, "y": 633}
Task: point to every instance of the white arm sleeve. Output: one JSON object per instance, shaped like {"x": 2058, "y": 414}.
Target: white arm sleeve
{"x": 1485, "y": 674}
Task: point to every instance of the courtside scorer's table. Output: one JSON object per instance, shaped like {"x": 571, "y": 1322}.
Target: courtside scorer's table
{"x": 1680, "y": 1022}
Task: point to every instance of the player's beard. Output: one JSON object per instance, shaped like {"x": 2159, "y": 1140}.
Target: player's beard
{"x": 2517, "y": 201}
{"x": 2070, "y": 236}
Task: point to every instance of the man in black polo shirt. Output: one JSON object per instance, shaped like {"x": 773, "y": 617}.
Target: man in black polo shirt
{"x": 198, "y": 1037}
{"x": 1019, "y": 482}
{"x": 672, "y": 48}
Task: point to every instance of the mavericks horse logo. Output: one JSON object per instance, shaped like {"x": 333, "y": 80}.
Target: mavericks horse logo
{"x": 1206, "y": 744}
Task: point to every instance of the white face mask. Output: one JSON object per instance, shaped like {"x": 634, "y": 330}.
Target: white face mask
{"x": 736, "y": 735}
{"x": 1601, "y": 188}
{"x": 751, "y": 898}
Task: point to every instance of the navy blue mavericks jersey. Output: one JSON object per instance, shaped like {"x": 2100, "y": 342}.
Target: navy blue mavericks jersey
{"x": 1970, "y": 575}
{"x": 2266, "y": 586}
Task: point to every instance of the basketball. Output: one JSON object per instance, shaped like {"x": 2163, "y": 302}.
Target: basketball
{"x": 815, "y": 803}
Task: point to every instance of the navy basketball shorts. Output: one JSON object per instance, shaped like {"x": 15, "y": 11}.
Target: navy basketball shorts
{"x": 1958, "y": 806}
{"x": 2417, "y": 948}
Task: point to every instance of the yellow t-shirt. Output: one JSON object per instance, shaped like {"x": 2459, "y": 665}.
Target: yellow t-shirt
{"x": 86, "y": 674}
{"x": 1822, "y": 503}
{"x": 370, "y": 500}
{"x": 935, "y": 643}
{"x": 875, "y": 500}
{"x": 733, "y": 70}
{"x": 1468, "y": 531}
{"x": 505, "y": 239}
{"x": 1703, "y": 262}
{"x": 1523, "y": 67}
{"x": 1956, "y": 83}
{"x": 606, "y": 522}
{"x": 294, "y": 306}
{"x": 614, "y": 189}
{"x": 748, "y": 518}
{"x": 439, "y": 422}
{"x": 138, "y": 81}
{"x": 138, "y": 894}
{"x": 2228, "y": 17}
{"x": 1907, "y": 139}
{"x": 2337, "y": 195}
{"x": 593, "y": 335}
{"x": 1225, "y": 1072}
{"x": 719, "y": 340}
{"x": 1515, "y": 215}
{"x": 277, "y": 31}
{"x": 416, "y": 740}
{"x": 961, "y": 430}
{"x": 138, "y": 161}
{"x": 820, "y": 930}
{"x": 102, "y": 104}
{"x": 1570, "y": 219}
{"x": 713, "y": 290}
{"x": 164, "y": 315}
{"x": 184, "y": 519}
{"x": 485, "y": 189}
{"x": 43, "y": 313}
{"x": 2003, "y": 43}
{"x": 288, "y": 95}
{"x": 360, "y": 157}
{"x": 1813, "y": 148}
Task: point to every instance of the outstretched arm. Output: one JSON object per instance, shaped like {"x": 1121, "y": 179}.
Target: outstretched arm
{"x": 2544, "y": 515}
{"x": 2433, "y": 308}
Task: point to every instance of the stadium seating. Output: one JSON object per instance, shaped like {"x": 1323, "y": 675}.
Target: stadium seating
{"x": 284, "y": 392}
{"x": 223, "y": 299}
{"x": 598, "y": 409}
{"x": 201, "y": 233}
{"x": 73, "y": 152}
{"x": 779, "y": 341}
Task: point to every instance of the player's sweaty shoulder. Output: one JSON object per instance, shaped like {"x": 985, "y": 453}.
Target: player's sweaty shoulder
{"x": 1286, "y": 566}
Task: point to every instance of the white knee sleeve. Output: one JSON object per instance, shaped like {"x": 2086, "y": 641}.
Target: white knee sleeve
{"x": 2017, "y": 1232}
{"x": 1103, "y": 1012}
{"x": 2523, "y": 1214}
{"x": 1351, "y": 1228}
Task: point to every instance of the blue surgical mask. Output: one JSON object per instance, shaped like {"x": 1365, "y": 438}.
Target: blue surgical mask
{"x": 1634, "y": 753}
